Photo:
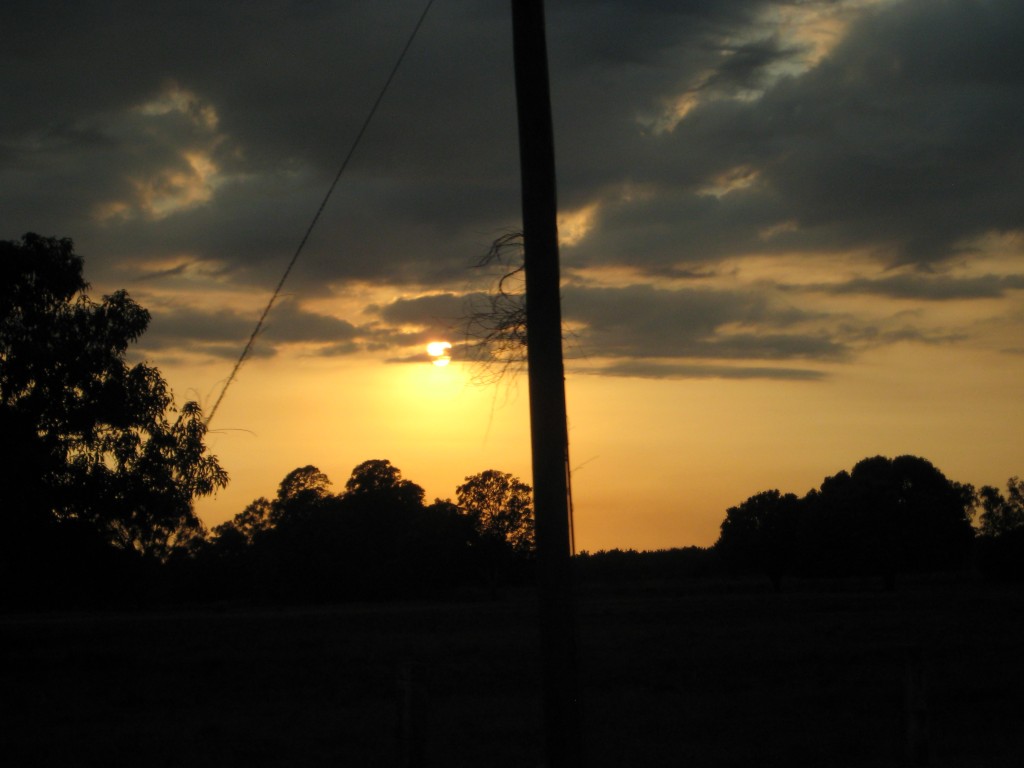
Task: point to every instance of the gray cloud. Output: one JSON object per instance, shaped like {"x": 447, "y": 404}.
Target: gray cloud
{"x": 224, "y": 333}
{"x": 905, "y": 140}
{"x": 438, "y": 311}
{"x": 646, "y": 369}
{"x": 928, "y": 288}
{"x": 187, "y": 327}
{"x": 288, "y": 323}
{"x": 208, "y": 134}
{"x": 641, "y": 321}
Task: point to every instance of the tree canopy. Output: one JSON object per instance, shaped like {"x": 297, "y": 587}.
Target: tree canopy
{"x": 501, "y": 507}
{"x": 376, "y": 538}
{"x": 379, "y": 481}
{"x": 884, "y": 517}
{"x": 1002, "y": 515}
{"x": 762, "y": 532}
{"x": 1001, "y": 544}
{"x": 92, "y": 442}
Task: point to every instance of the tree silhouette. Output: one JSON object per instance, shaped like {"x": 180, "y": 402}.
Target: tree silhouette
{"x": 1001, "y": 544}
{"x": 762, "y": 533}
{"x": 146, "y": 500}
{"x": 382, "y": 512}
{"x": 886, "y": 516}
{"x": 287, "y": 548}
{"x": 304, "y": 482}
{"x": 377, "y": 481}
{"x": 1002, "y": 514}
{"x": 302, "y": 495}
{"x": 375, "y": 540}
{"x": 914, "y": 517}
{"x": 501, "y": 507}
{"x": 92, "y": 442}
{"x": 257, "y": 518}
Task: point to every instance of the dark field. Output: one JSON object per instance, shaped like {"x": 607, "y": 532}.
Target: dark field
{"x": 670, "y": 677}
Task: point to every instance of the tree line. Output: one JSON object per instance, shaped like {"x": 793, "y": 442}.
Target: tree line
{"x": 376, "y": 539}
{"x": 102, "y": 469}
{"x": 883, "y": 518}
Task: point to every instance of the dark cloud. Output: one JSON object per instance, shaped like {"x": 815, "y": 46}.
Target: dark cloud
{"x": 341, "y": 349}
{"x": 646, "y": 369}
{"x": 289, "y": 323}
{"x": 917, "y": 287}
{"x": 189, "y": 327}
{"x": 883, "y": 147}
{"x": 224, "y": 333}
{"x": 404, "y": 323}
{"x": 290, "y": 85}
{"x": 208, "y": 133}
{"x": 642, "y": 321}
{"x": 744, "y": 67}
{"x": 442, "y": 311}
{"x": 877, "y": 147}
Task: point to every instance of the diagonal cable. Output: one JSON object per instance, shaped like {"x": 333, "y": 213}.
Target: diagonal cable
{"x": 316, "y": 217}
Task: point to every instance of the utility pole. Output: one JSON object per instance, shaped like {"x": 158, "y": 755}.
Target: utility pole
{"x": 548, "y": 432}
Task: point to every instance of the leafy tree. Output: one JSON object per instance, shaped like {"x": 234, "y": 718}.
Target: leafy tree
{"x": 90, "y": 440}
{"x": 304, "y": 482}
{"x": 501, "y": 506}
{"x": 286, "y": 548}
{"x": 1002, "y": 514}
{"x": 301, "y": 495}
{"x": 146, "y": 500}
{"x": 379, "y": 482}
{"x": 1000, "y": 547}
{"x": 375, "y": 540}
{"x": 253, "y": 521}
{"x": 762, "y": 534}
{"x": 888, "y": 516}
{"x": 442, "y": 549}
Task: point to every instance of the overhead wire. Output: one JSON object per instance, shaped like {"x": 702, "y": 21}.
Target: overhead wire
{"x": 316, "y": 217}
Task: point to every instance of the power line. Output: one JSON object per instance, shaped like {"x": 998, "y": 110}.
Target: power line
{"x": 319, "y": 211}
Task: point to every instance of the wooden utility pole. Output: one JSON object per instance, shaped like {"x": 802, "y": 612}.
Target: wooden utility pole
{"x": 548, "y": 432}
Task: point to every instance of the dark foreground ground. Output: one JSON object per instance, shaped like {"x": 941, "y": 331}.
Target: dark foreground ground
{"x": 671, "y": 676}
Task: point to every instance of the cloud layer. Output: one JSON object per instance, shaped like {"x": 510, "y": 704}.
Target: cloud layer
{"x": 750, "y": 188}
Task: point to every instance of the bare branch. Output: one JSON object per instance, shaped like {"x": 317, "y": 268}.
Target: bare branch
{"x": 495, "y": 322}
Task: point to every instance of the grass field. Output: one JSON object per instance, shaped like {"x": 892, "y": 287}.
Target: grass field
{"x": 672, "y": 675}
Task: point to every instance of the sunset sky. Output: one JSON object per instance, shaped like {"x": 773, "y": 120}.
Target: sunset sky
{"x": 791, "y": 232}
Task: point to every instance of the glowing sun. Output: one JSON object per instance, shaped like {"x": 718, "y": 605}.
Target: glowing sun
{"x": 440, "y": 351}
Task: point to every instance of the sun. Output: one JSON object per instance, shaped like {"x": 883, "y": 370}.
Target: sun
{"x": 440, "y": 351}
